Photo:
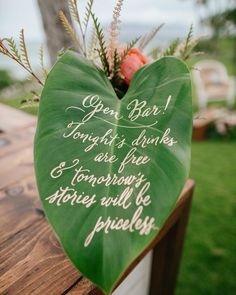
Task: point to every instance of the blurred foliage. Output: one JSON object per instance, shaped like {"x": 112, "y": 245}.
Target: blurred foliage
{"x": 221, "y": 19}
{"x": 223, "y": 22}
{"x": 208, "y": 264}
{"x": 5, "y": 79}
{"x": 17, "y": 103}
{"x": 230, "y": 15}
{"x": 224, "y": 54}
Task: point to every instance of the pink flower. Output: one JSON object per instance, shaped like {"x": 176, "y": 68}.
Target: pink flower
{"x": 133, "y": 61}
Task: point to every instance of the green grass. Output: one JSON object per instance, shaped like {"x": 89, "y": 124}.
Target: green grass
{"x": 16, "y": 103}
{"x": 209, "y": 260}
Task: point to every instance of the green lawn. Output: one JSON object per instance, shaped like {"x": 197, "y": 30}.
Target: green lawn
{"x": 16, "y": 103}
{"x": 209, "y": 259}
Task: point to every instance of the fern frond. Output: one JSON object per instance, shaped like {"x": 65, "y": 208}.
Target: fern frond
{"x": 88, "y": 11}
{"x": 145, "y": 40}
{"x": 3, "y": 49}
{"x": 116, "y": 68}
{"x": 189, "y": 37}
{"x": 116, "y": 63}
{"x": 188, "y": 53}
{"x": 13, "y": 47}
{"x": 183, "y": 48}
{"x": 102, "y": 51}
{"x": 171, "y": 50}
{"x": 188, "y": 43}
{"x": 13, "y": 53}
{"x": 68, "y": 28}
{"x": 129, "y": 46}
{"x": 24, "y": 52}
{"x": 41, "y": 59}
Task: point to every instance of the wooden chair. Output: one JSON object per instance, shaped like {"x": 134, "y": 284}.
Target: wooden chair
{"x": 213, "y": 83}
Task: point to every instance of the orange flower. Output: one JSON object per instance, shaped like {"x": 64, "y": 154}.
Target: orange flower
{"x": 133, "y": 61}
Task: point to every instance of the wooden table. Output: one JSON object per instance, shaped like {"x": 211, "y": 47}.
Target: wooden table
{"x": 31, "y": 260}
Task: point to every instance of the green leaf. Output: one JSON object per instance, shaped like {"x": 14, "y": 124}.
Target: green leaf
{"x": 61, "y": 153}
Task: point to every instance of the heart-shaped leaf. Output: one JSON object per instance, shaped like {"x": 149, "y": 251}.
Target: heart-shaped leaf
{"x": 109, "y": 171}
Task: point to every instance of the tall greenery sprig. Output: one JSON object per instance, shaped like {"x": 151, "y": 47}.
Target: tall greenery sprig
{"x": 117, "y": 61}
{"x": 102, "y": 50}
{"x": 171, "y": 50}
{"x": 41, "y": 60}
{"x": 184, "y": 52}
{"x": 88, "y": 11}
{"x": 69, "y": 29}
{"x": 13, "y": 47}
{"x": 183, "y": 49}
{"x": 145, "y": 40}
{"x": 129, "y": 46}
{"x": 24, "y": 53}
{"x": 74, "y": 11}
{"x": 75, "y": 14}
{"x": 9, "y": 48}
{"x": 83, "y": 26}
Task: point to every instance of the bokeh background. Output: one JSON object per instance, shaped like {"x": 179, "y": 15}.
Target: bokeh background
{"x": 209, "y": 260}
